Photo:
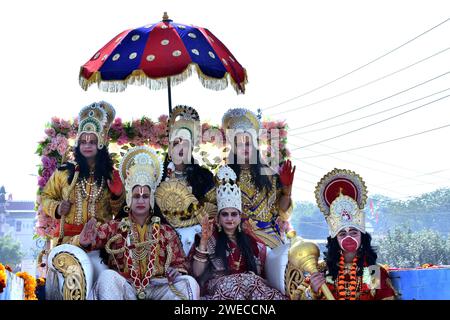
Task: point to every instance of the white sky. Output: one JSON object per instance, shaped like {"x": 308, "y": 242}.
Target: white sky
{"x": 287, "y": 47}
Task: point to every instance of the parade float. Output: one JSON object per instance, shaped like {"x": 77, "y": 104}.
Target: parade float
{"x": 159, "y": 56}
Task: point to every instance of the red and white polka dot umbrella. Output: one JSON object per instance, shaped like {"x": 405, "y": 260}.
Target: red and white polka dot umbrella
{"x": 160, "y": 55}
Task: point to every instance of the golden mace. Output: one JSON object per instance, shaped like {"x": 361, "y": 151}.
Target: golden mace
{"x": 305, "y": 256}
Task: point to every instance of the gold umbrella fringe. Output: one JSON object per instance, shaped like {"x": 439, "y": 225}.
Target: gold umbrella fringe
{"x": 138, "y": 77}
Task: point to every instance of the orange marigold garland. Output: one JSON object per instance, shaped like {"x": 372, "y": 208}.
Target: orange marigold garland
{"x": 2, "y": 277}
{"x": 29, "y": 285}
{"x": 347, "y": 289}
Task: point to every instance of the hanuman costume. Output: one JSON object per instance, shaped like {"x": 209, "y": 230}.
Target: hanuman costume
{"x": 234, "y": 281}
{"x": 89, "y": 197}
{"x": 341, "y": 196}
{"x": 182, "y": 202}
{"x": 140, "y": 256}
{"x": 261, "y": 207}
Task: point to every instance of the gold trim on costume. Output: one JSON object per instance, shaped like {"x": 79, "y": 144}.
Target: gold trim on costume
{"x": 179, "y": 205}
{"x": 251, "y": 196}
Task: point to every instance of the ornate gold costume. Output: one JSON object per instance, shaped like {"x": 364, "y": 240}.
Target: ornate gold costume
{"x": 182, "y": 204}
{"x": 87, "y": 200}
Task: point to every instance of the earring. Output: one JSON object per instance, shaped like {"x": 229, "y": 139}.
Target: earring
{"x": 126, "y": 209}
{"x": 219, "y": 227}
{"x": 239, "y": 228}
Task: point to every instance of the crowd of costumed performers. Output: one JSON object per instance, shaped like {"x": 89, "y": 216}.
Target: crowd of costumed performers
{"x": 129, "y": 209}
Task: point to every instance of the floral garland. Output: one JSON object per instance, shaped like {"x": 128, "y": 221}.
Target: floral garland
{"x": 347, "y": 289}
{"x": 55, "y": 148}
{"x": 29, "y": 285}
{"x": 29, "y": 282}
{"x": 2, "y": 277}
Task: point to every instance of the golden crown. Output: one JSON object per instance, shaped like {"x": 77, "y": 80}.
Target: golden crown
{"x": 341, "y": 196}
{"x": 184, "y": 122}
{"x": 140, "y": 166}
{"x": 96, "y": 118}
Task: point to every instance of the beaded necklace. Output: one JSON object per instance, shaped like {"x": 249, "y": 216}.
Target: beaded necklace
{"x": 92, "y": 197}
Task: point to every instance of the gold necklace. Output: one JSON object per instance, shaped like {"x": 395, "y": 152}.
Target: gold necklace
{"x": 141, "y": 249}
{"x": 93, "y": 198}
{"x": 237, "y": 264}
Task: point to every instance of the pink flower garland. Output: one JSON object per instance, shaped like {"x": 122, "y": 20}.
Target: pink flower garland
{"x": 142, "y": 131}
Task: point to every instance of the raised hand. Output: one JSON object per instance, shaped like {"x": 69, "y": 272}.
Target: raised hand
{"x": 116, "y": 185}
{"x": 64, "y": 208}
{"x": 287, "y": 174}
{"x": 89, "y": 233}
{"x": 207, "y": 231}
{"x": 284, "y": 226}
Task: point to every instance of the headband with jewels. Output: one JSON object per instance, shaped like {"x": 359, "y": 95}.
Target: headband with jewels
{"x": 341, "y": 196}
{"x": 228, "y": 192}
{"x": 184, "y": 122}
{"x": 140, "y": 166}
{"x": 96, "y": 118}
{"x": 241, "y": 120}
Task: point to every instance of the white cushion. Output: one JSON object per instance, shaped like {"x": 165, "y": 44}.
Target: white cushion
{"x": 276, "y": 262}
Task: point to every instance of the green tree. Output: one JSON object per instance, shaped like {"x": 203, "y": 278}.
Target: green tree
{"x": 403, "y": 248}
{"x": 435, "y": 201}
{"x": 10, "y": 252}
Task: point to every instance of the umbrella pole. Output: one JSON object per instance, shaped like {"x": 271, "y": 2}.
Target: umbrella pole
{"x": 169, "y": 91}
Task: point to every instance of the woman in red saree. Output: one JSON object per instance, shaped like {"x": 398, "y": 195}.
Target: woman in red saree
{"x": 227, "y": 259}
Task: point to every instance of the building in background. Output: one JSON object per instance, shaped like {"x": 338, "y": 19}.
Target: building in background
{"x": 17, "y": 219}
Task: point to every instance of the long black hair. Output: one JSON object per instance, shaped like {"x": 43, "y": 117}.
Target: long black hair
{"x": 200, "y": 179}
{"x": 366, "y": 254}
{"x": 244, "y": 244}
{"x": 103, "y": 166}
{"x": 260, "y": 180}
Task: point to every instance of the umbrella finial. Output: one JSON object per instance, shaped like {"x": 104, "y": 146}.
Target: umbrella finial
{"x": 165, "y": 16}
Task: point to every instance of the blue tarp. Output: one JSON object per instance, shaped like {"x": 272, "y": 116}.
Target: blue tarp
{"x": 422, "y": 284}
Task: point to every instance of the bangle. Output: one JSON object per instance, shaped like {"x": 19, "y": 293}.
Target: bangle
{"x": 199, "y": 259}
{"x": 201, "y": 256}
{"x": 201, "y": 251}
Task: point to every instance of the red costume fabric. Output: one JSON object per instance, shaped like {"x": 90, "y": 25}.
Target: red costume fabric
{"x": 167, "y": 241}
{"x": 238, "y": 283}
